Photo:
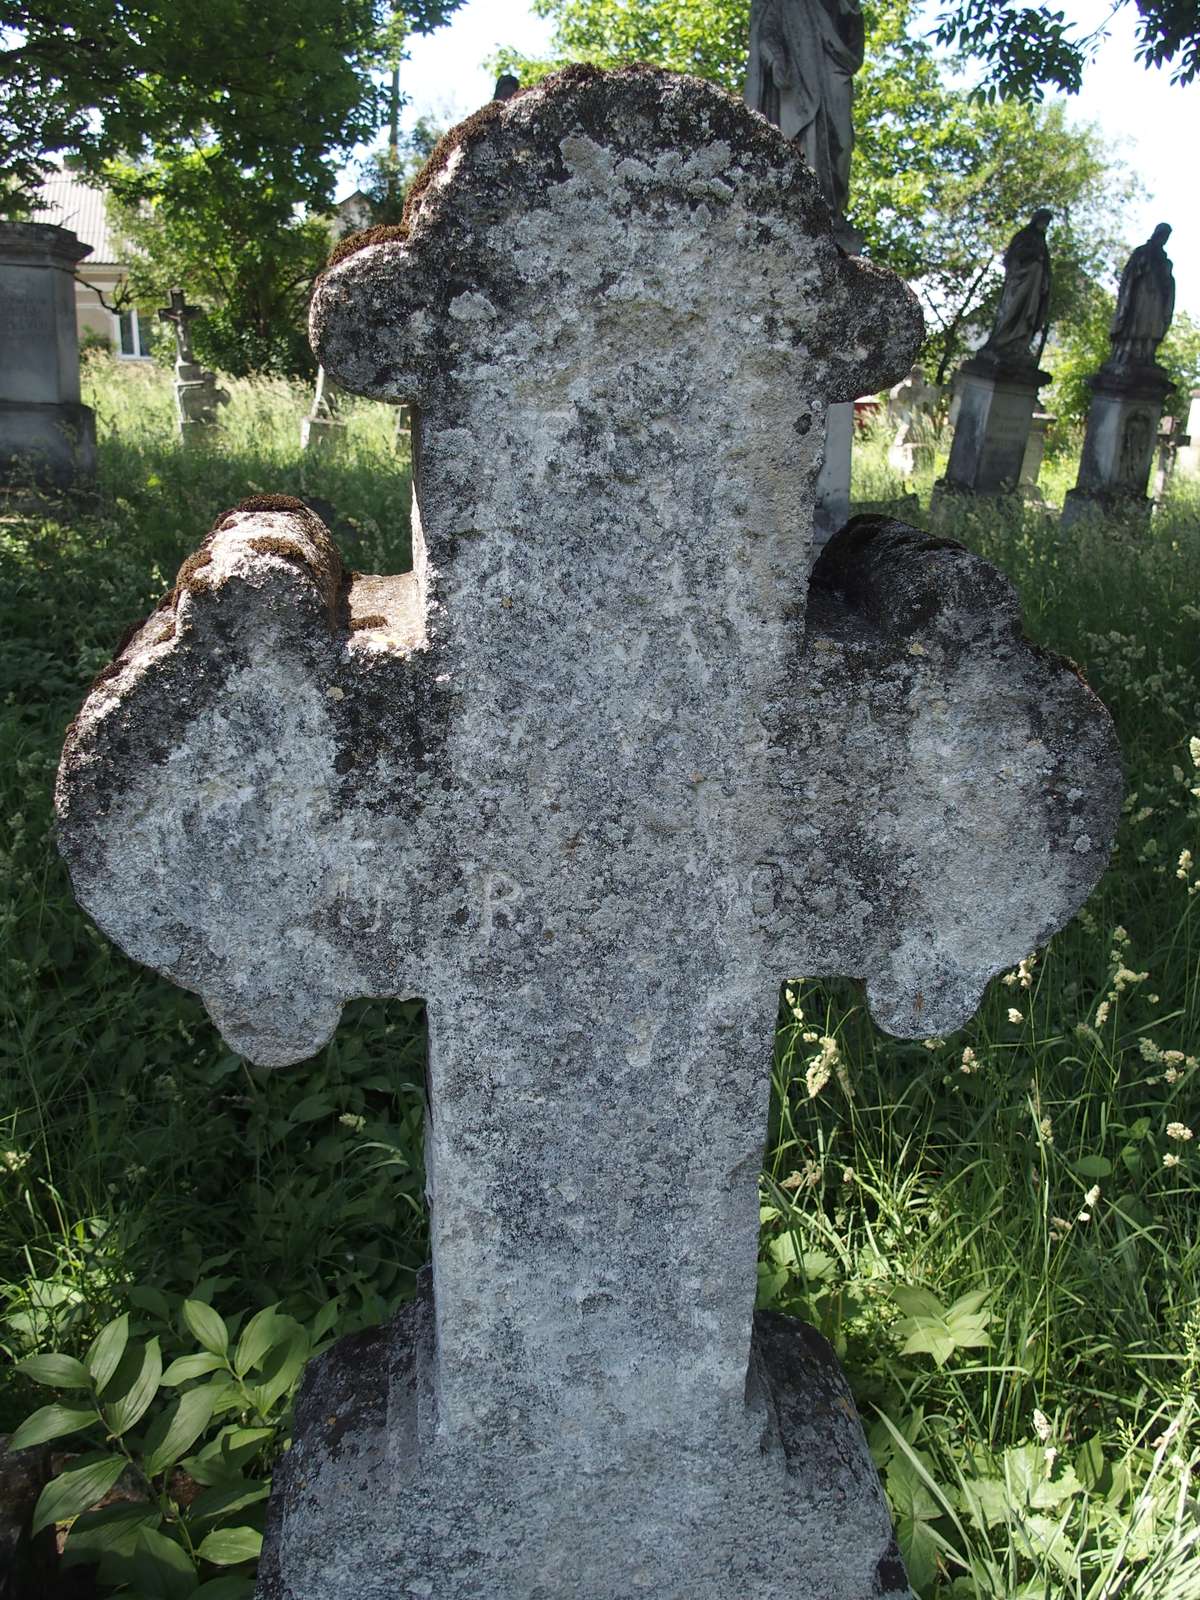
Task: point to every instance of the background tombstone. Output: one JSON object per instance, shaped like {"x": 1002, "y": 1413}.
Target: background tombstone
{"x": 46, "y": 435}
{"x": 800, "y": 76}
{"x": 911, "y": 407}
{"x": 197, "y": 394}
{"x": 1189, "y": 454}
{"x": 998, "y": 386}
{"x": 1128, "y": 392}
{"x": 322, "y": 427}
{"x": 1171, "y": 443}
{"x": 1035, "y": 453}
{"x": 592, "y": 778}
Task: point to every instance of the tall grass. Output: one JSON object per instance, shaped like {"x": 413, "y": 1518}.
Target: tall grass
{"x": 998, "y": 1231}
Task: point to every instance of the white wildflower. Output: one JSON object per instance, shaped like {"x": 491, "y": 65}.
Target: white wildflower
{"x": 1179, "y": 1131}
{"x": 970, "y": 1061}
{"x": 1014, "y": 1015}
{"x": 1170, "y": 1159}
{"x": 349, "y": 1120}
{"x": 1041, "y": 1426}
{"x": 1102, "y": 1012}
{"x": 1194, "y": 751}
{"x": 1046, "y": 1129}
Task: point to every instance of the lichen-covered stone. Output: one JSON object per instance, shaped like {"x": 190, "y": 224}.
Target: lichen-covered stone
{"x": 589, "y": 781}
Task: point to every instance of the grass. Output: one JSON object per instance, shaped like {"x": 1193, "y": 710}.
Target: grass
{"x": 986, "y": 1226}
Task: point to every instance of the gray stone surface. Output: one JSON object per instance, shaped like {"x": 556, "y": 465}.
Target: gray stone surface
{"x": 592, "y": 779}
{"x": 46, "y": 436}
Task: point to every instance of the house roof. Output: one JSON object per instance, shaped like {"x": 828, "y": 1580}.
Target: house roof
{"x": 68, "y": 203}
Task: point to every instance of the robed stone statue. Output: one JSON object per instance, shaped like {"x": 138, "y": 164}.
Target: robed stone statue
{"x": 803, "y": 57}
{"x": 1145, "y": 303}
{"x": 1021, "y": 316}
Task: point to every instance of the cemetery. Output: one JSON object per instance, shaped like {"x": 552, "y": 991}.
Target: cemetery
{"x": 602, "y": 913}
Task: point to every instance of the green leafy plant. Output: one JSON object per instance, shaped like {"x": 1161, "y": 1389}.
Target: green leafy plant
{"x": 168, "y": 1489}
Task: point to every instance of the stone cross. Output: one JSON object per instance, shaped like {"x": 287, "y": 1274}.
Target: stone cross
{"x": 1170, "y": 443}
{"x": 181, "y": 316}
{"x": 910, "y": 406}
{"x": 592, "y": 778}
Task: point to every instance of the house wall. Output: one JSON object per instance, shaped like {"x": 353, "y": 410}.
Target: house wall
{"x": 93, "y": 317}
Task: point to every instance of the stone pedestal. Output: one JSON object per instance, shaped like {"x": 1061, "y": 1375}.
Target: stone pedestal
{"x": 1118, "y": 447}
{"x": 321, "y": 433}
{"x": 1035, "y": 451}
{"x": 46, "y": 436}
{"x": 197, "y": 396}
{"x": 996, "y": 402}
{"x": 833, "y": 481}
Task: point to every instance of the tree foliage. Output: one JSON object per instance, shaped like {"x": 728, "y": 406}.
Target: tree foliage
{"x": 279, "y": 85}
{"x": 237, "y": 248}
{"x": 940, "y": 180}
{"x": 1026, "y": 48}
{"x": 388, "y": 172}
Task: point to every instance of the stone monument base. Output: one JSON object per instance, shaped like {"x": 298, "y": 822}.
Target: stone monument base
{"x": 788, "y": 1505}
{"x": 51, "y": 445}
{"x": 1118, "y": 446}
{"x": 321, "y": 433}
{"x": 996, "y": 404}
{"x": 194, "y": 431}
{"x": 908, "y": 457}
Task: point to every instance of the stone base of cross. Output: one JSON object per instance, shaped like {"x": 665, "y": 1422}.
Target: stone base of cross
{"x": 593, "y": 778}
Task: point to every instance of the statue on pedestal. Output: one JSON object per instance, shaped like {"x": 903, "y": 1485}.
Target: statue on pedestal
{"x": 1145, "y": 303}
{"x": 803, "y": 57}
{"x": 1022, "y": 315}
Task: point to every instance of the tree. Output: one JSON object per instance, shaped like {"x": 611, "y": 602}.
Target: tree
{"x": 240, "y": 251}
{"x": 1026, "y": 48}
{"x": 940, "y": 179}
{"x": 279, "y": 85}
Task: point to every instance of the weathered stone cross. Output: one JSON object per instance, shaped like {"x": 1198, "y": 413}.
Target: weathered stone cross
{"x": 181, "y": 315}
{"x": 591, "y": 779}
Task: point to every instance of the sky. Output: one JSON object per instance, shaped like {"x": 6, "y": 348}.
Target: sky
{"x": 1153, "y": 126}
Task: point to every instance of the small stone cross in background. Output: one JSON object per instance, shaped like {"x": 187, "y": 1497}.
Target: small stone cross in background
{"x": 1170, "y": 443}
{"x": 592, "y": 778}
{"x": 181, "y": 315}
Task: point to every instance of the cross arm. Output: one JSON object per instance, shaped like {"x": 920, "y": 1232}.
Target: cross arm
{"x": 216, "y": 791}
{"x": 956, "y": 786}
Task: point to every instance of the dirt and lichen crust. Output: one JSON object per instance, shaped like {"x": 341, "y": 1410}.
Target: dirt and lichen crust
{"x": 453, "y": 248}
